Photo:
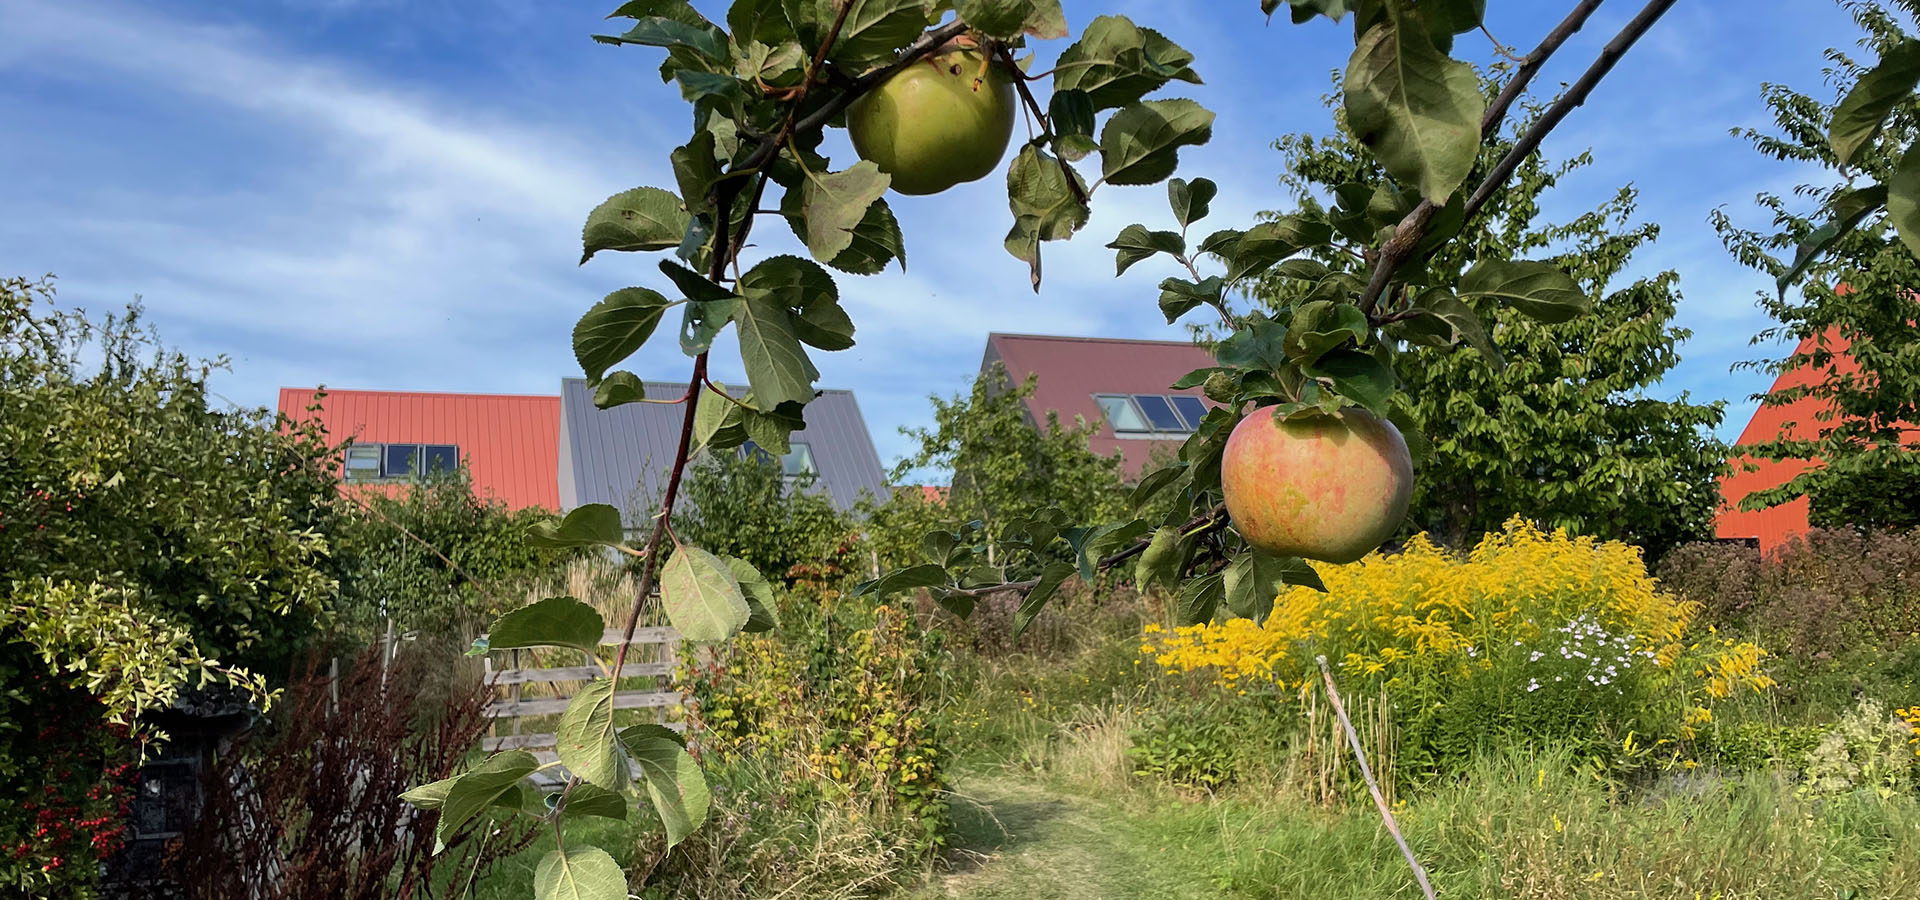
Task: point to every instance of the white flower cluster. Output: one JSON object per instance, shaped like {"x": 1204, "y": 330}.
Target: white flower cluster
{"x": 1605, "y": 656}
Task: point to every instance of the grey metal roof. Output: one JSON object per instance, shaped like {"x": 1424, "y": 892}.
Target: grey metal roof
{"x": 605, "y": 454}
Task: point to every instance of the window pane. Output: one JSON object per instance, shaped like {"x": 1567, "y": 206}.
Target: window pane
{"x": 441, "y": 458}
{"x": 363, "y": 462}
{"x": 751, "y": 450}
{"x": 1121, "y": 413}
{"x": 399, "y": 463}
{"x": 798, "y": 462}
{"x": 1191, "y": 407}
{"x": 1159, "y": 412}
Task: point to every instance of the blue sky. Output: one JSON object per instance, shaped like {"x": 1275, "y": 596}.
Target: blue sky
{"x": 388, "y": 194}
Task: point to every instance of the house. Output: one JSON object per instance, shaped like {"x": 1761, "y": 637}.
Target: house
{"x": 1120, "y": 386}
{"x": 621, "y": 456}
{"x": 509, "y": 443}
{"x": 1802, "y": 419}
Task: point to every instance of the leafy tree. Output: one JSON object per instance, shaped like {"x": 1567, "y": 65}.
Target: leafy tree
{"x": 742, "y": 505}
{"x": 1850, "y": 285}
{"x": 429, "y": 557}
{"x": 1005, "y": 466}
{"x": 1555, "y": 423}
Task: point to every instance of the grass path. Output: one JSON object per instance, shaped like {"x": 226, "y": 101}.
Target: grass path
{"x": 1017, "y": 838}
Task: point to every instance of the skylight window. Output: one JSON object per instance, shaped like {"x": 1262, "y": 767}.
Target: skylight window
{"x": 1152, "y": 414}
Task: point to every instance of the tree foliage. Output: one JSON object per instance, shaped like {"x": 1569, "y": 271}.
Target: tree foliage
{"x": 743, "y": 506}
{"x": 1847, "y": 292}
{"x": 1558, "y": 423}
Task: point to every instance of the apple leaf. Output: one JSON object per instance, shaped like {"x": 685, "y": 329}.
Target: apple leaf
{"x": 876, "y": 240}
{"x": 1117, "y": 62}
{"x": 645, "y": 218}
{"x": 834, "y": 204}
{"x": 1179, "y": 296}
{"x": 761, "y": 614}
{"x": 673, "y": 780}
{"x": 1051, "y": 577}
{"x": 1200, "y": 598}
{"x": 1141, "y": 143}
{"x": 703, "y": 322}
{"x": 1046, "y": 207}
{"x": 872, "y": 32}
{"x": 1461, "y": 323}
{"x": 553, "y": 622}
{"x": 900, "y": 580}
{"x": 1070, "y": 114}
{"x": 592, "y": 800}
{"x": 469, "y": 794}
{"x": 1162, "y": 561}
{"x": 1859, "y": 116}
{"x": 1903, "y": 198}
{"x": 693, "y": 285}
{"x": 718, "y": 423}
{"x": 658, "y": 31}
{"x": 1417, "y": 109}
{"x": 1190, "y": 199}
{"x": 579, "y": 873}
{"x": 618, "y": 389}
{"x": 585, "y": 739}
{"x": 616, "y": 327}
{"x": 777, "y": 366}
{"x": 1357, "y": 376}
{"x": 1006, "y": 19}
{"x": 1849, "y": 209}
{"x": 1538, "y": 290}
{"x": 1136, "y": 243}
{"x": 701, "y": 595}
{"x": 1269, "y": 242}
{"x": 808, "y": 292}
{"x": 584, "y": 526}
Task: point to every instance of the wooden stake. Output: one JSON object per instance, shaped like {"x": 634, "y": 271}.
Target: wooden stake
{"x": 1373, "y": 787}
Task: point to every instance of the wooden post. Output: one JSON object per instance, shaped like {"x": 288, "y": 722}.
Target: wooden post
{"x": 1373, "y": 787}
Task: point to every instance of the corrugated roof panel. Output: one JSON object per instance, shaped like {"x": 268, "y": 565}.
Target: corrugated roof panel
{"x": 509, "y": 442}
{"x": 621, "y": 456}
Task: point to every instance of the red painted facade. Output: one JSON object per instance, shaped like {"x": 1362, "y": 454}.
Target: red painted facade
{"x": 510, "y": 443}
{"x": 1072, "y": 370}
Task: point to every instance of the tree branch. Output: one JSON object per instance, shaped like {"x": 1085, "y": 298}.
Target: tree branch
{"x": 1413, "y": 228}
{"x": 1212, "y": 520}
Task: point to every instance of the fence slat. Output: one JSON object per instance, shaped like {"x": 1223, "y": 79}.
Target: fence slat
{"x": 501, "y": 709}
{"x": 541, "y": 741}
{"x": 577, "y": 673}
{"x": 660, "y": 635}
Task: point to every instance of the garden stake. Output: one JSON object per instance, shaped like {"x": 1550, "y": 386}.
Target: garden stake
{"x": 1373, "y": 787}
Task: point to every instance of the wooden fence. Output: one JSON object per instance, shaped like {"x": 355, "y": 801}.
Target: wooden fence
{"x": 652, "y": 657}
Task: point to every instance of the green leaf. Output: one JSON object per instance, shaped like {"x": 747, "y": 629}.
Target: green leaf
{"x": 1178, "y": 296}
{"x": 1849, "y": 208}
{"x": 1417, "y": 109}
{"x": 585, "y": 738}
{"x": 1117, "y": 62}
{"x": 645, "y": 218}
{"x": 834, "y": 204}
{"x": 759, "y": 595}
{"x": 579, "y": 873}
{"x": 772, "y": 429}
{"x": 1051, "y": 578}
{"x": 663, "y": 32}
{"x": 618, "y": 389}
{"x": 1195, "y": 378}
{"x": 1070, "y": 114}
{"x": 614, "y": 328}
{"x": 586, "y": 799}
{"x": 1006, "y": 19}
{"x": 1046, "y": 206}
{"x": 758, "y": 20}
{"x": 1304, "y": 10}
{"x": 1462, "y": 323}
{"x": 1190, "y": 200}
{"x": 1153, "y": 483}
{"x": 701, "y": 596}
{"x": 1222, "y": 243}
{"x": 697, "y": 86}
{"x": 1903, "y": 198}
{"x": 1162, "y": 561}
{"x": 1402, "y": 417}
{"x": 876, "y": 240}
{"x": 1320, "y": 326}
{"x": 1859, "y": 116}
{"x": 777, "y": 366}
{"x": 1092, "y": 543}
{"x": 553, "y": 622}
{"x": 806, "y": 290}
{"x": 674, "y": 781}
{"x": 873, "y": 31}
{"x": 1136, "y": 243}
{"x": 1256, "y": 578}
{"x": 695, "y": 170}
{"x": 1141, "y": 143}
{"x": 480, "y": 787}
{"x": 1358, "y": 377}
{"x": 718, "y": 423}
{"x": 704, "y": 321}
{"x": 1538, "y": 290}
{"x": 431, "y": 795}
{"x": 1200, "y": 598}
{"x": 694, "y": 286}
{"x": 902, "y": 580}
{"x": 585, "y": 526}
{"x": 1269, "y": 242}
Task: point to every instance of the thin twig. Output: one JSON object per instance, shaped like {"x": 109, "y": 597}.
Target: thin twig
{"x": 1373, "y": 787}
{"x": 1046, "y": 124}
{"x": 1413, "y": 228}
{"x": 1213, "y": 520}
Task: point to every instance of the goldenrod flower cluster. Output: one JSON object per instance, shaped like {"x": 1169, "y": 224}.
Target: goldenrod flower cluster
{"x": 1911, "y": 716}
{"x": 1427, "y": 607}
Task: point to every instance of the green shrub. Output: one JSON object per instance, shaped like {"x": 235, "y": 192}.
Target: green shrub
{"x": 742, "y": 506}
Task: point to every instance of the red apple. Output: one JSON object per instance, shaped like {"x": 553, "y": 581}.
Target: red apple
{"x": 1330, "y": 488}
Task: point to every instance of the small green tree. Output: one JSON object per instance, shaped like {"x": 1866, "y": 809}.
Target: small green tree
{"x": 742, "y": 505}
{"x": 1857, "y": 297}
{"x": 1552, "y": 420}
{"x": 1005, "y": 466}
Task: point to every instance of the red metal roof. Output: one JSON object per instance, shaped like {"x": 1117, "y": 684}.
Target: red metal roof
{"x": 509, "y": 442}
{"x": 1073, "y": 369}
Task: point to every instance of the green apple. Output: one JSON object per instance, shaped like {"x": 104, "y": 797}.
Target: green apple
{"x": 1325, "y": 487}
{"x": 943, "y": 120}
